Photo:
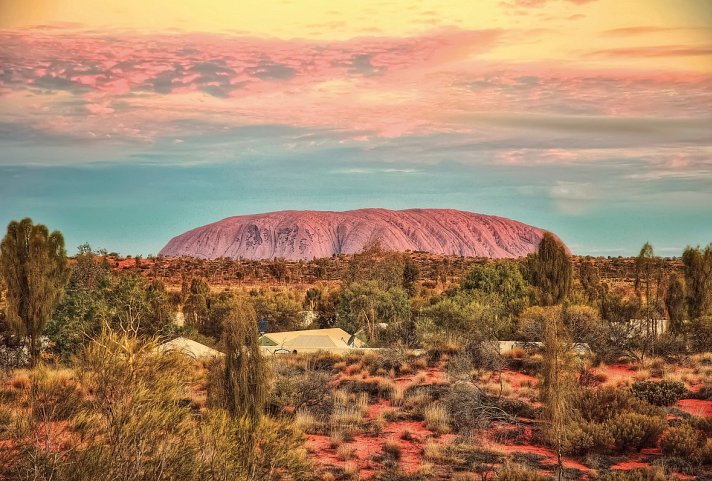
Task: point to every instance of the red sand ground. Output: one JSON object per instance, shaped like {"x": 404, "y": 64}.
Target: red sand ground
{"x": 548, "y": 454}
{"x": 696, "y": 407}
{"x": 518, "y": 379}
{"x": 616, "y": 373}
{"x": 366, "y": 447}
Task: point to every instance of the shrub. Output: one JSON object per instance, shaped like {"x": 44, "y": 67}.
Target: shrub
{"x": 580, "y": 438}
{"x": 705, "y": 452}
{"x": 659, "y": 393}
{"x": 54, "y": 395}
{"x": 345, "y": 452}
{"x": 307, "y": 422}
{"x": 638, "y": 474}
{"x": 323, "y": 361}
{"x": 601, "y": 404}
{"x": 635, "y": 431}
{"x": 227, "y": 450}
{"x": 392, "y": 449}
{"x": 515, "y": 472}
{"x": 681, "y": 441}
{"x": 471, "y": 409}
{"x": 308, "y": 390}
{"x": 437, "y": 418}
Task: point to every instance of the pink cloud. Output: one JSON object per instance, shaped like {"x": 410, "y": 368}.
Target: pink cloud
{"x": 146, "y": 87}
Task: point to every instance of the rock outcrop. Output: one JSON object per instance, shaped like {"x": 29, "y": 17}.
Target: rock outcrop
{"x": 294, "y": 235}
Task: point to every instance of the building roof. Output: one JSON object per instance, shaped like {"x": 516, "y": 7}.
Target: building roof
{"x": 312, "y": 339}
{"x": 189, "y": 347}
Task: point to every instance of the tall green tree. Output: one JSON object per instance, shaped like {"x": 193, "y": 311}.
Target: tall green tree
{"x": 648, "y": 281}
{"x": 410, "y": 276}
{"x": 550, "y": 271}
{"x": 197, "y": 305}
{"x": 558, "y": 384}
{"x": 33, "y": 263}
{"x": 591, "y": 285}
{"x": 698, "y": 278}
{"x": 676, "y": 303}
{"x": 245, "y": 375}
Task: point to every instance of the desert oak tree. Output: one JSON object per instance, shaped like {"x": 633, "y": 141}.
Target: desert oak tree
{"x": 33, "y": 263}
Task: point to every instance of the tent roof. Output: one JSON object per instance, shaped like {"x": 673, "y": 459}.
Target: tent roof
{"x": 189, "y": 347}
{"x": 311, "y": 338}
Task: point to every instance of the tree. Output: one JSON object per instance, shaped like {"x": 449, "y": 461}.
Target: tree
{"x": 281, "y": 309}
{"x": 648, "y": 280}
{"x": 88, "y": 272}
{"x": 365, "y": 305}
{"x": 410, "y": 276}
{"x": 245, "y": 375}
{"x": 312, "y": 298}
{"x": 503, "y": 279}
{"x": 585, "y": 326}
{"x": 698, "y": 277}
{"x": 550, "y": 271}
{"x": 33, "y": 263}
{"x": 676, "y": 303}
{"x": 374, "y": 263}
{"x": 558, "y": 384}
{"x": 590, "y": 278}
{"x": 197, "y": 305}
{"x": 138, "y": 306}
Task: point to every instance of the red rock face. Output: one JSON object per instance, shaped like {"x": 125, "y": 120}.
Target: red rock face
{"x": 297, "y": 235}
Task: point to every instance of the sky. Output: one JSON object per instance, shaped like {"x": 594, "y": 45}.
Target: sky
{"x": 125, "y": 123}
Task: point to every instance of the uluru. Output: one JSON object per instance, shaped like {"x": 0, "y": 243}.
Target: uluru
{"x": 309, "y": 234}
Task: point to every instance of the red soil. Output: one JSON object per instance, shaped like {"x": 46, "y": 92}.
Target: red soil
{"x": 434, "y": 376}
{"x": 696, "y": 407}
{"x": 366, "y": 447}
{"x": 375, "y": 409}
{"x": 616, "y": 373}
{"x": 548, "y": 454}
{"x": 518, "y": 379}
{"x": 627, "y": 465}
{"x": 403, "y": 382}
{"x": 635, "y": 460}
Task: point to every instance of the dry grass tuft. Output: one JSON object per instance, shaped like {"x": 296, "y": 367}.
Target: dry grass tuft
{"x": 437, "y": 418}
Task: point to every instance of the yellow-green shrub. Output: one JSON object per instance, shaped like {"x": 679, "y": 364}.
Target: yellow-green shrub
{"x": 681, "y": 441}
{"x": 635, "y": 431}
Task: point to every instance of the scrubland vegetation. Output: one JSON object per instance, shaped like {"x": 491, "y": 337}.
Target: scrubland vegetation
{"x": 585, "y": 394}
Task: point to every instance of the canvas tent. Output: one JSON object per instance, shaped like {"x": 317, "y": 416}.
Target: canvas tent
{"x": 333, "y": 340}
{"x": 190, "y": 348}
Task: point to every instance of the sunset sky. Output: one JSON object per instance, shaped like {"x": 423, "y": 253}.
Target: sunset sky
{"x": 124, "y": 123}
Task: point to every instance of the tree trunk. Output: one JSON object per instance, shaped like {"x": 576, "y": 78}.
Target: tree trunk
{"x": 34, "y": 351}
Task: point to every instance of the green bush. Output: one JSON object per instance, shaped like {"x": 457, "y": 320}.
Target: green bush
{"x": 604, "y": 403}
{"x": 659, "y": 393}
{"x": 681, "y": 441}
{"x": 633, "y": 431}
{"x": 583, "y": 437}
